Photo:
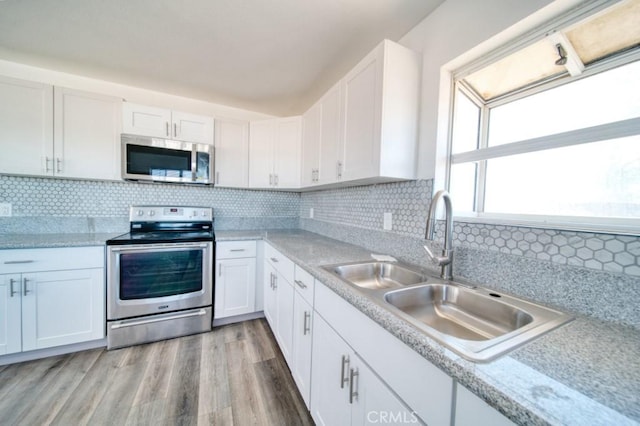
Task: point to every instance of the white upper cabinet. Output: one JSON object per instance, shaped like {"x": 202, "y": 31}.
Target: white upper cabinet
{"x": 26, "y": 127}
{"x": 232, "y": 153}
{"x": 321, "y": 139}
{"x": 163, "y": 123}
{"x": 311, "y": 145}
{"x": 87, "y": 135}
{"x": 87, "y": 131}
{"x": 274, "y": 153}
{"x": 364, "y": 129}
{"x": 380, "y": 116}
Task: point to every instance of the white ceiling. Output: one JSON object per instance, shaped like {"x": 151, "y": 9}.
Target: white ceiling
{"x": 272, "y": 56}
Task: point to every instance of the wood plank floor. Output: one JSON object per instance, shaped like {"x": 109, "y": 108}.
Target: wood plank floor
{"x": 234, "y": 375}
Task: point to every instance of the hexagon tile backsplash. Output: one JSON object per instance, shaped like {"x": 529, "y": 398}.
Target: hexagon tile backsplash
{"x": 364, "y": 206}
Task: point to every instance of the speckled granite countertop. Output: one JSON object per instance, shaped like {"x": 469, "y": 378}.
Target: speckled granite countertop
{"x": 585, "y": 373}
{"x": 24, "y": 241}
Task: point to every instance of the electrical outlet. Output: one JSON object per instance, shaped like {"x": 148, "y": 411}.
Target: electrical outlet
{"x": 311, "y": 213}
{"x": 5, "y": 209}
{"x": 387, "y": 222}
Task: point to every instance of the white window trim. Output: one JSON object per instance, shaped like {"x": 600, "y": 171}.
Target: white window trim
{"x": 619, "y": 226}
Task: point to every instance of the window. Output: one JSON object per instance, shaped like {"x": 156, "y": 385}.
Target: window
{"x": 549, "y": 134}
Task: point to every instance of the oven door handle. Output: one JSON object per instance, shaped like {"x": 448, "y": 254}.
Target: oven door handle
{"x": 147, "y": 247}
{"x": 132, "y": 323}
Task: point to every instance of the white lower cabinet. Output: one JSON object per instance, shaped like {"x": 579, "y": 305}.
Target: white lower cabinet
{"x": 284, "y": 317}
{"x": 46, "y": 309}
{"x": 270, "y": 302}
{"x": 10, "y": 313}
{"x": 301, "y": 351}
{"x": 344, "y": 389}
{"x": 235, "y": 290}
{"x": 473, "y": 411}
{"x": 415, "y": 381}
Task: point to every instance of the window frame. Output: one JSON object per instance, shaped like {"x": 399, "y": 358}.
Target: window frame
{"x": 613, "y": 130}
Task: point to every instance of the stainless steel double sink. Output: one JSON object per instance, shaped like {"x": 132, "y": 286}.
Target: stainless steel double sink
{"x": 477, "y": 323}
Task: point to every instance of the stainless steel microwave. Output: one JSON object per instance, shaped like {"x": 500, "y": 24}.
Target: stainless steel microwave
{"x": 164, "y": 160}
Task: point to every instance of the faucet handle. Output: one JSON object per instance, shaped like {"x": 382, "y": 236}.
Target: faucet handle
{"x": 429, "y": 252}
{"x": 445, "y": 259}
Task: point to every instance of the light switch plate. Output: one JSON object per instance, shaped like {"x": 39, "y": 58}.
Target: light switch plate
{"x": 387, "y": 222}
{"x": 311, "y": 213}
{"x": 5, "y": 209}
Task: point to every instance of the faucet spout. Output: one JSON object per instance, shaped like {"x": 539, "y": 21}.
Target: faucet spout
{"x": 446, "y": 260}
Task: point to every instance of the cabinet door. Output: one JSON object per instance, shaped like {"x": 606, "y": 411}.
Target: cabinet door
{"x": 192, "y": 127}
{"x": 373, "y": 401}
{"x": 473, "y": 411}
{"x": 330, "y": 140}
{"x": 62, "y": 307}
{"x": 87, "y": 135}
{"x": 284, "y": 317}
{"x": 261, "y": 140}
{"x": 235, "y": 287}
{"x": 287, "y": 152}
{"x": 329, "y": 376}
{"x": 270, "y": 301}
{"x": 302, "y": 337}
{"x": 232, "y": 153}
{"x": 362, "y": 89}
{"x": 10, "y": 320}
{"x": 26, "y": 127}
{"x": 311, "y": 145}
{"x": 145, "y": 120}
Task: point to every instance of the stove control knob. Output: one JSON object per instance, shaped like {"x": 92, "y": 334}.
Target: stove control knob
{"x": 152, "y": 213}
{"x": 140, "y": 212}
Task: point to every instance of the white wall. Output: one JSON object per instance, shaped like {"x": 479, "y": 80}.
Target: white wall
{"x": 130, "y": 93}
{"x": 458, "y": 31}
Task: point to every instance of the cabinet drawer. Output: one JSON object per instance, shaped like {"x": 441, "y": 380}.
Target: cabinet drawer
{"x": 304, "y": 284}
{"x": 51, "y": 259}
{"x": 235, "y": 249}
{"x": 280, "y": 262}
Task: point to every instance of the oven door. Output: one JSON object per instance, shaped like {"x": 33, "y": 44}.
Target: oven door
{"x": 147, "y": 279}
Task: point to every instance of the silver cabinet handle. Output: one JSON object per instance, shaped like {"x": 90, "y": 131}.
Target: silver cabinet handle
{"x": 12, "y": 292}
{"x": 47, "y": 160}
{"x": 58, "y": 165}
{"x": 352, "y": 393}
{"x": 300, "y": 284}
{"x": 270, "y": 179}
{"x": 339, "y": 167}
{"x": 271, "y": 280}
{"x": 15, "y": 262}
{"x": 275, "y": 281}
{"x": 275, "y": 180}
{"x": 166, "y": 128}
{"x": 25, "y": 287}
{"x": 236, "y": 250}
{"x": 345, "y": 363}
{"x": 274, "y": 260}
{"x": 306, "y": 327}
{"x": 175, "y": 130}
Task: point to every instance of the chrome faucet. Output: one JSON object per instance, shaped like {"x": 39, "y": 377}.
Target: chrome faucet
{"x": 446, "y": 260}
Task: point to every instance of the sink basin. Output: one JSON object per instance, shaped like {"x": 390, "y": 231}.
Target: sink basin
{"x": 459, "y": 312}
{"x": 378, "y": 275}
{"x": 477, "y": 323}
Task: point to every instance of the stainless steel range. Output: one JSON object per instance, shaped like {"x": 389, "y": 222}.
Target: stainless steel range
{"x": 160, "y": 276}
